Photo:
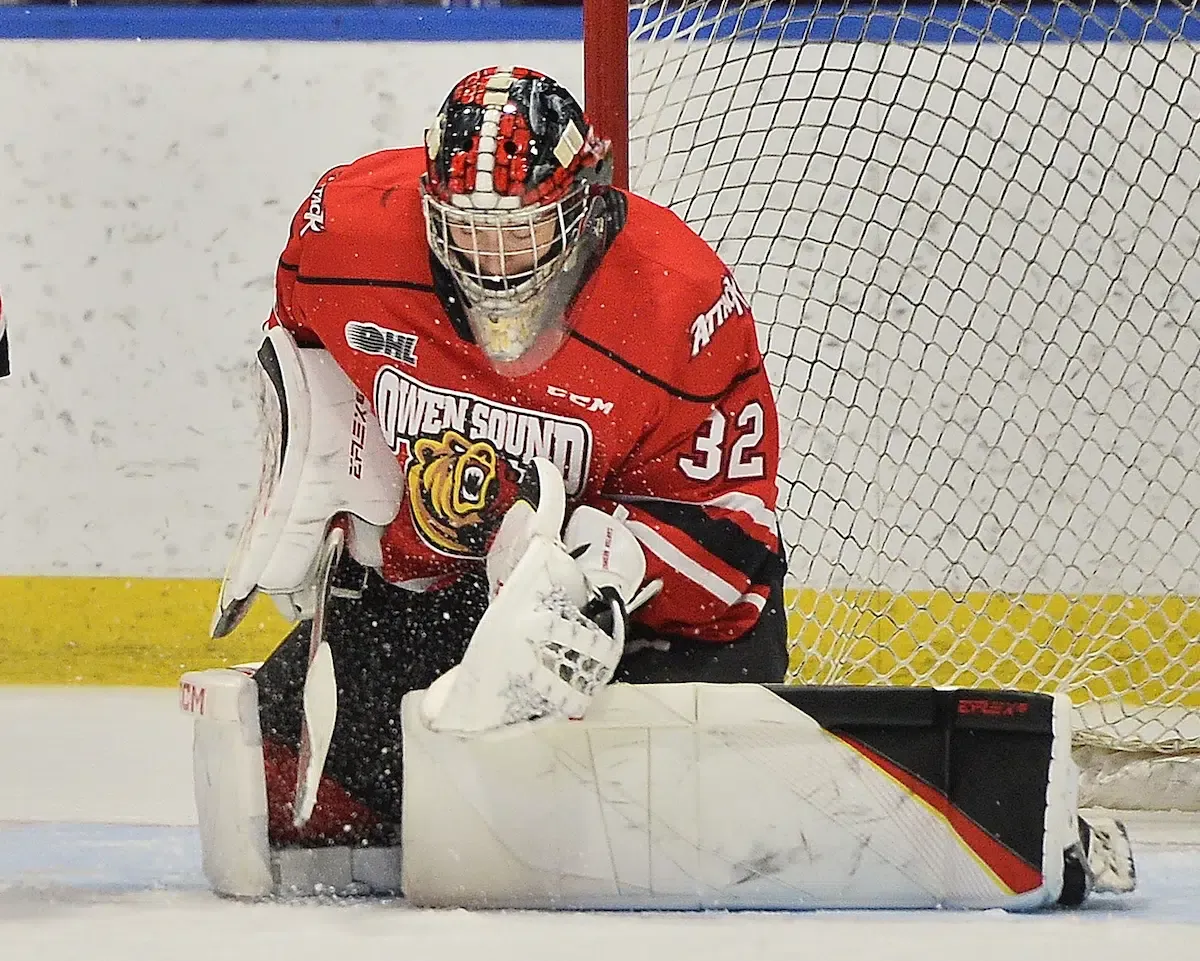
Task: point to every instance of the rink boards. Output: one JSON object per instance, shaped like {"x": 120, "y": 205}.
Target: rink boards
{"x": 146, "y": 631}
{"x": 152, "y": 480}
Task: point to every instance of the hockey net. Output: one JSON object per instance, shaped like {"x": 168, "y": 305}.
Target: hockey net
{"x": 970, "y": 237}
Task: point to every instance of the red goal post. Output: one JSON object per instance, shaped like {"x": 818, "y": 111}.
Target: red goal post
{"x": 971, "y": 237}
{"x": 606, "y": 76}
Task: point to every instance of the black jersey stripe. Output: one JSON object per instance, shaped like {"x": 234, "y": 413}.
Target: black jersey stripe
{"x": 662, "y": 384}
{"x": 5, "y": 368}
{"x": 720, "y": 536}
{"x": 284, "y": 265}
{"x": 362, "y": 282}
{"x": 616, "y": 358}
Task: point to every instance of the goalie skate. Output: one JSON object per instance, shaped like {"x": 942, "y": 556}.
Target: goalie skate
{"x": 1109, "y": 857}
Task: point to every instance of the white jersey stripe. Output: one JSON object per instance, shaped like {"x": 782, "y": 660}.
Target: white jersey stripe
{"x": 753, "y": 507}
{"x": 696, "y": 573}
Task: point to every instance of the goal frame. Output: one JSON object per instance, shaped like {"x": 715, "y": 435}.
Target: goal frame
{"x": 606, "y": 87}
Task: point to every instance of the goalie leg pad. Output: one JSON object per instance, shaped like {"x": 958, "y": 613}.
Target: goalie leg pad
{"x": 698, "y": 796}
{"x": 231, "y": 792}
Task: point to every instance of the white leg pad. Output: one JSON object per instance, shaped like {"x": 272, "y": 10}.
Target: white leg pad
{"x": 699, "y": 796}
{"x": 230, "y": 784}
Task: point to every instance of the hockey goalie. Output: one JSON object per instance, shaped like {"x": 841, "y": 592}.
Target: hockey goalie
{"x": 518, "y": 497}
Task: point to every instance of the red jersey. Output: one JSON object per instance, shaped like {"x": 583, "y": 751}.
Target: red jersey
{"x": 657, "y": 401}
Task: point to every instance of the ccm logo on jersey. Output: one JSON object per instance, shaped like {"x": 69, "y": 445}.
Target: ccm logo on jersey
{"x": 595, "y": 404}
{"x": 409, "y": 410}
{"x": 314, "y": 216}
{"x": 373, "y": 339}
{"x": 730, "y": 303}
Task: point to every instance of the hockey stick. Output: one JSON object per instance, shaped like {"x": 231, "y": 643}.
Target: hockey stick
{"x": 320, "y": 689}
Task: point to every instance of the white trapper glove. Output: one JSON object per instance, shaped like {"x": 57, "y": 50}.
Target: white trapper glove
{"x": 555, "y": 628}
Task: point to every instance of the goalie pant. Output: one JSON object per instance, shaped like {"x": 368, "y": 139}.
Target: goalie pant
{"x": 385, "y": 642}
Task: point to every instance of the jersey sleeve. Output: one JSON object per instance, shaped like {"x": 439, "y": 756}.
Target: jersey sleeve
{"x": 701, "y": 495}
{"x": 307, "y": 222}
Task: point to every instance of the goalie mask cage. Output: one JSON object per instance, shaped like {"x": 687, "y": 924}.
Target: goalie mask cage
{"x": 970, "y": 234}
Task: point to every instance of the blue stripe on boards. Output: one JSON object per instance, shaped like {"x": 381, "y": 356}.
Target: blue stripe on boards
{"x": 411, "y": 23}
{"x": 919, "y": 23}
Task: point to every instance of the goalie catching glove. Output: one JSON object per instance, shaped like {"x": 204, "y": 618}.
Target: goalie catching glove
{"x": 556, "y": 626}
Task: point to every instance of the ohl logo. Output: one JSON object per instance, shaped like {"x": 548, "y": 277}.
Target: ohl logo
{"x": 370, "y": 338}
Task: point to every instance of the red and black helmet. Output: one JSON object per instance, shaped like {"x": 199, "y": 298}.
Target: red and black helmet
{"x": 511, "y": 133}
{"x": 518, "y": 210}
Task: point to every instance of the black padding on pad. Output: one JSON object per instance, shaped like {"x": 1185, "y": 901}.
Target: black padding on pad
{"x": 987, "y": 752}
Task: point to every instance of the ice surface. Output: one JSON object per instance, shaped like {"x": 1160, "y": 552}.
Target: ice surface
{"x": 99, "y": 859}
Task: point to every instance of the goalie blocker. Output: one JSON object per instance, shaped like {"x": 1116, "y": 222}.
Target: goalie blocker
{"x": 692, "y": 796}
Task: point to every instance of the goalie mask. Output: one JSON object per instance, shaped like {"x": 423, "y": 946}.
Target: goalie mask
{"x": 518, "y": 211}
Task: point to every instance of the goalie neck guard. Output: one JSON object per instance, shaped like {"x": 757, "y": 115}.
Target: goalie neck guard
{"x": 518, "y": 211}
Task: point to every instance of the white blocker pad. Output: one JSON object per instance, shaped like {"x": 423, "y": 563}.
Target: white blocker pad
{"x": 324, "y": 456}
{"x": 694, "y": 796}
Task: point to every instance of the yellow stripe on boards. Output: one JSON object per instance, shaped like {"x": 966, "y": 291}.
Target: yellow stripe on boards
{"x": 85, "y": 630}
{"x": 1139, "y": 650}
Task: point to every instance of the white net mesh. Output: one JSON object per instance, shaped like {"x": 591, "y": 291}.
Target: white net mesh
{"x": 970, "y": 235}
